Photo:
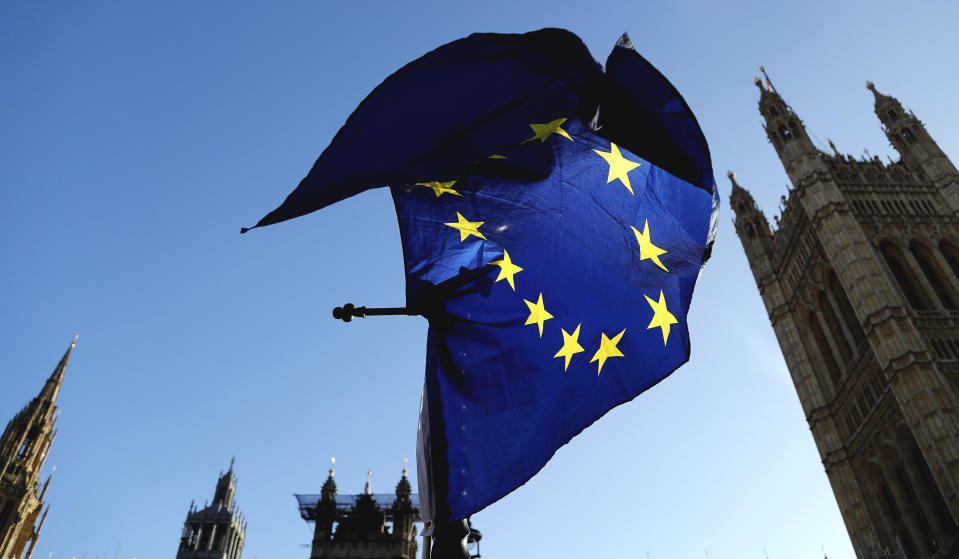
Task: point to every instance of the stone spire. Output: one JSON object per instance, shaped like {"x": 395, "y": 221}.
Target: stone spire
{"x": 24, "y": 446}
{"x": 403, "y": 489}
{"x": 784, "y": 128}
{"x": 225, "y": 488}
{"x": 51, "y": 389}
{"x": 329, "y": 486}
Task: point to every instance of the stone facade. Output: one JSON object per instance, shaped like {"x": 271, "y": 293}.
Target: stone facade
{"x": 216, "y": 531}
{"x": 860, "y": 280}
{"x": 364, "y": 526}
{"x": 24, "y": 446}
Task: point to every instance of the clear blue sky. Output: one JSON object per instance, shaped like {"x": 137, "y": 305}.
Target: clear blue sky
{"x": 136, "y": 139}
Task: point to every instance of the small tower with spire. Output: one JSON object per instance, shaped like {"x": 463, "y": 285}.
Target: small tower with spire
{"x": 24, "y": 446}
{"x": 325, "y": 512}
{"x": 752, "y": 227}
{"x": 783, "y": 126}
{"x": 908, "y": 135}
{"x": 218, "y": 530}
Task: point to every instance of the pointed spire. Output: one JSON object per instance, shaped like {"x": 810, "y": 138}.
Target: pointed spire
{"x": 403, "y": 488}
{"x": 52, "y": 388}
{"x": 369, "y": 483}
{"x": 232, "y": 461}
{"x": 406, "y": 462}
{"x": 328, "y": 491}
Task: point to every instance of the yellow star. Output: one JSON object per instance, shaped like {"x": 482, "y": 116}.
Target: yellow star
{"x": 619, "y": 166}
{"x": 607, "y": 349}
{"x": 543, "y": 131}
{"x": 662, "y": 318}
{"x": 570, "y": 346}
{"x": 647, "y": 250}
{"x": 507, "y": 269}
{"x": 440, "y": 188}
{"x": 497, "y": 156}
{"x": 466, "y": 228}
{"x": 537, "y": 314}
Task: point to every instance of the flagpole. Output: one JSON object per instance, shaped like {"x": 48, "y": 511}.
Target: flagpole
{"x": 449, "y": 540}
{"x": 348, "y": 312}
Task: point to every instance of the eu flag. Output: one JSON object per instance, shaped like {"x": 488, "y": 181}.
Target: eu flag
{"x": 555, "y": 216}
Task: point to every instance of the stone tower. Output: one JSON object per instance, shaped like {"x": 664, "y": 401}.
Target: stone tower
{"x": 216, "y": 531}
{"x": 24, "y": 446}
{"x": 860, "y": 279}
{"x": 364, "y": 526}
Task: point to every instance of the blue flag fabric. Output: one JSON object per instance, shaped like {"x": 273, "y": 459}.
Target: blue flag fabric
{"x": 554, "y": 219}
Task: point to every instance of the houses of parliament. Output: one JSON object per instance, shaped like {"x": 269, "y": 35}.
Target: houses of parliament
{"x": 860, "y": 280}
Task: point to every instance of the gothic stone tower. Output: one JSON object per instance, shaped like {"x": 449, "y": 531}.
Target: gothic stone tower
{"x": 217, "y": 530}
{"x": 23, "y": 448}
{"x": 861, "y": 284}
{"x": 358, "y": 526}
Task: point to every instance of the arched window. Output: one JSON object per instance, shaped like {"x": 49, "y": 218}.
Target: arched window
{"x": 832, "y": 367}
{"x": 917, "y": 298}
{"x": 908, "y": 136}
{"x": 892, "y": 114}
{"x": 940, "y": 283}
{"x": 951, "y": 254}
{"x": 845, "y": 309}
{"x": 794, "y": 128}
{"x": 926, "y": 486}
{"x": 784, "y": 132}
{"x": 835, "y": 329}
{"x": 888, "y": 508}
{"x": 905, "y": 494}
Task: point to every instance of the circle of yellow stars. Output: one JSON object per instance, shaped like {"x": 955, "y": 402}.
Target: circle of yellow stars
{"x": 619, "y": 168}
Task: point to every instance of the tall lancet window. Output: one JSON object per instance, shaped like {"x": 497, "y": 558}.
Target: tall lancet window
{"x": 835, "y": 329}
{"x": 915, "y": 295}
{"x": 845, "y": 309}
{"x": 822, "y": 344}
{"x": 951, "y": 254}
{"x": 937, "y": 279}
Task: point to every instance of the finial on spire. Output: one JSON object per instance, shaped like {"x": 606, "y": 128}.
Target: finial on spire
{"x": 232, "y": 461}
{"x": 731, "y": 174}
{"x": 74, "y": 342}
{"x": 369, "y": 482}
{"x": 870, "y": 85}
{"x": 405, "y": 462}
{"x": 332, "y": 466}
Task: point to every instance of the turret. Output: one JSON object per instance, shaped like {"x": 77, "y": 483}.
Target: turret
{"x": 783, "y": 127}
{"x": 753, "y": 230}
{"x": 225, "y": 488}
{"x": 403, "y": 508}
{"x": 918, "y": 150}
{"x": 326, "y": 508}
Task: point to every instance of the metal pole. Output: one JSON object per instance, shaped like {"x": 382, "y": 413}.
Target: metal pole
{"x": 348, "y": 312}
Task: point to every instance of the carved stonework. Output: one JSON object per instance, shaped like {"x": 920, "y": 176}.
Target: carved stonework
{"x": 24, "y": 446}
